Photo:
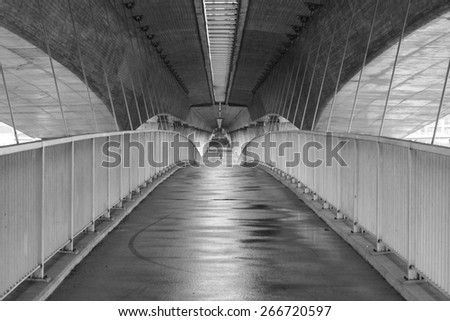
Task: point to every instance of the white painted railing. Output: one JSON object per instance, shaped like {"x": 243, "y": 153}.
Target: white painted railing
{"x": 399, "y": 191}
{"x": 51, "y": 191}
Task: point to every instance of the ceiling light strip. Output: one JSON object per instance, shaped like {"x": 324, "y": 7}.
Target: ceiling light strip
{"x": 221, "y": 20}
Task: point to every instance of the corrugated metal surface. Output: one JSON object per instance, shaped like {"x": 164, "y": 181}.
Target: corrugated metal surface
{"x": 126, "y": 173}
{"x": 431, "y": 203}
{"x": 393, "y": 220}
{"x": 83, "y": 185}
{"x": 20, "y": 208}
{"x": 101, "y": 180}
{"x": 134, "y": 161}
{"x": 348, "y": 188}
{"x": 58, "y": 164}
{"x": 115, "y": 173}
{"x": 367, "y": 185}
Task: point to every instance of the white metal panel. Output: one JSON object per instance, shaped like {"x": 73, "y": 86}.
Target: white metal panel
{"x": 83, "y": 185}
{"x": 20, "y": 207}
{"x": 101, "y": 178}
{"x": 57, "y": 201}
{"x": 393, "y": 220}
{"x": 367, "y": 185}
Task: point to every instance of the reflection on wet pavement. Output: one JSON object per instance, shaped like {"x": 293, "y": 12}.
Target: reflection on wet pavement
{"x": 223, "y": 234}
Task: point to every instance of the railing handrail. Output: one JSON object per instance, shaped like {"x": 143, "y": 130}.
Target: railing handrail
{"x": 435, "y": 149}
{"x": 11, "y": 149}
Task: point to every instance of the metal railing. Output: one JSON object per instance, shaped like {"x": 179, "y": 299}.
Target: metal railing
{"x": 51, "y": 191}
{"x": 396, "y": 190}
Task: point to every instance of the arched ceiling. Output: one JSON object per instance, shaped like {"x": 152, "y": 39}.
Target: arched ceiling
{"x": 416, "y": 89}
{"x": 156, "y": 53}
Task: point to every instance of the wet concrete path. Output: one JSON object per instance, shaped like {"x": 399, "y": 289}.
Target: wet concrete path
{"x": 223, "y": 234}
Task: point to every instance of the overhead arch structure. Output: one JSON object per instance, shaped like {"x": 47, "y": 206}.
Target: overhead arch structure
{"x": 143, "y": 58}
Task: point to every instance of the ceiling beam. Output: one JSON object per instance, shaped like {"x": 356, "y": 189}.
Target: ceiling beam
{"x": 201, "y": 22}
{"x": 242, "y": 17}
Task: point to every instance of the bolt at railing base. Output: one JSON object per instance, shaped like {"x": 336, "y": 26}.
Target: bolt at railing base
{"x": 44, "y": 279}
{"x": 71, "y": 252}
{"x": 381, "y": 248}
{"x": 356, "y": 228}
{"x": 91, "y": 228}
{"x": 412, "y": 274}
{"x": 118, "y": 206}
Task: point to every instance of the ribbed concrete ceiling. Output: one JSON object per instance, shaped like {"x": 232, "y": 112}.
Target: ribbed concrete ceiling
{"x": 176, "y": 35}
{"x": 267, "y": 25}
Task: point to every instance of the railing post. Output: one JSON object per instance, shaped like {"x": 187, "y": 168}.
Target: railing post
{"x": 91, "y": 227}
{"x": 130, "y": 172}
{"x": 411, "y": 220}
{"x": 380, "y": 246}
{"x": 122, "y": 154}
{"x": 314, "y": 169}
{"x": 108, "y": 192}
{"x": 356, "y": 228}
{"x": 40, "y": 273}
{"x": 70, "y": 247}
{"x": 339, "y": 215}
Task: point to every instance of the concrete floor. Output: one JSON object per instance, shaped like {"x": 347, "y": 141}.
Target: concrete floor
{"x": 223, "y": 234}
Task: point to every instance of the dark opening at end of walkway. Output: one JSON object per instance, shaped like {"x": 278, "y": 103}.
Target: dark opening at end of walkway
{"x": 223, "y": 234}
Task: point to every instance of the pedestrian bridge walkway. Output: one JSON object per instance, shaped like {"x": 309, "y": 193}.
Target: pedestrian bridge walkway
{"x": 225, "y": 233}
